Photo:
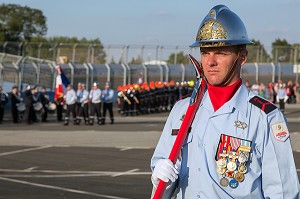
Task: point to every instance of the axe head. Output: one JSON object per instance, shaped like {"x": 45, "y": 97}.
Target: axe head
{"x": 197, "y": 66}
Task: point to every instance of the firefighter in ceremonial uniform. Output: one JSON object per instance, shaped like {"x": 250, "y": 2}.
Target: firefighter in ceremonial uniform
{"x": 3, "y": 101}
{"x": 15, "y": 98}
{"x": 84, "y": 101}
{"x": 29, "y": 115}
{"x": 108, "y": 99}
{"x": 79, "y": 95}
{"x": 70, "y": 98}
{"x": 238, "y": 145}
{"x": 95, "y": 99}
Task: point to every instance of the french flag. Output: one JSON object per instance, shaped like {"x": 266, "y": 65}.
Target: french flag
{"x": 61, "y": 84}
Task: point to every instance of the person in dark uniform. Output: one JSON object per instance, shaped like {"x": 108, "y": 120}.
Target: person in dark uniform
{"x": 107, "y": 98}
{"x": 3, "y": 101}
{"x": 15, "y": 99}
{"x": 59, "y": 109}
{"x": 29, "y": 111}
{"x": 44, "y": 99}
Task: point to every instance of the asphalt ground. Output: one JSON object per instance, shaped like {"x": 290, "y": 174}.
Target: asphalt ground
{"x": 49, "y": 160}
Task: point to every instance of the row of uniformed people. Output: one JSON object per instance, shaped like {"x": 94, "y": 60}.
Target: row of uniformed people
{"x": 26, "y": 106}
{"x": 158, "y": 97}
{"x": 85, "y": 105}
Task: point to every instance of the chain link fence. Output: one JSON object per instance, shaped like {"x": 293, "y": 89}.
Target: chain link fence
{"x": 34, "y": 63}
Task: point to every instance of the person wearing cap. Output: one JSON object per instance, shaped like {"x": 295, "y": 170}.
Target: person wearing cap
{"x": 108, "y": 98}
{"x": 70, "y": 98}
{"x": 95, "y": 98}
{"x": 84, "y": 110}
{"x": 238, "y": 145}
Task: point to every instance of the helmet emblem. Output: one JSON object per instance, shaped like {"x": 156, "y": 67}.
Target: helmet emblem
{"x": 211, "y": 30}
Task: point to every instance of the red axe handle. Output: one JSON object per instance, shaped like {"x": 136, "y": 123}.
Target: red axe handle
{"x": 196, "y": 98}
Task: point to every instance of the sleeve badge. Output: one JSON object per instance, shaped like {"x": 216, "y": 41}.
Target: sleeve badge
{"x": 280, "y": 131}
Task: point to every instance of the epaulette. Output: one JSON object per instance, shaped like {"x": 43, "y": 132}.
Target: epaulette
{"x": 263, "y": 104}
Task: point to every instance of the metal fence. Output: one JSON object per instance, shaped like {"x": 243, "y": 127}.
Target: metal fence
{"x": 80, "y": 53}
{"x": 35, "y": 64}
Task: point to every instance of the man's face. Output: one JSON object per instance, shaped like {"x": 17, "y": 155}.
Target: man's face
{"x": 217, "y": 61}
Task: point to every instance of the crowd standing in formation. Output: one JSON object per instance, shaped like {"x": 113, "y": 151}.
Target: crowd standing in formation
{"x": 86, "y": 105}
{"x": 155, "y": 97}
{"x": 132, "y": 99}
{"x": 35, "y": 105}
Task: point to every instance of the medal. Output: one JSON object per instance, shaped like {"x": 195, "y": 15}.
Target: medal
{"x": 231, "y": 166}
{"x": 221, "y": 163}
{"x": 242, "y": 168}
{"x": 239, "y": 177}
{"x": 224, "y": 182}
{"x": 221, "y": 170}
{"x": 242, "y": 158}
{"x": 233, "y": 183}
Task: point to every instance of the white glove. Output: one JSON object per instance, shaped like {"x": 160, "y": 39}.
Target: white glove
{"x": 164, "y": 170}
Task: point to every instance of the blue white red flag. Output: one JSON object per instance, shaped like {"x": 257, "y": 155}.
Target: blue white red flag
{"x": 61, "y": 84}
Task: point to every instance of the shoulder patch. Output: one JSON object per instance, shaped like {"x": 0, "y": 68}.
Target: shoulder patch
{"x": 280, "y": 131}
{"x": 263, "y": 104}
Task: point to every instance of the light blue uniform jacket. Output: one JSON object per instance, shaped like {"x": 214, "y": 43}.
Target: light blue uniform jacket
{"x": 71, "y": 97}
{"x": 95, "y": 96}
{"x": 271, "y": 168}
{"x": 108, "y": 95}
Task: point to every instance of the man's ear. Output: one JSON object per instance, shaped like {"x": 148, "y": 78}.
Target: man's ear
{"x": 244, "y": 56}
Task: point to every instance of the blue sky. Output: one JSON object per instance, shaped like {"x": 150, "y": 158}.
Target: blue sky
{"x": 163, "y": 22}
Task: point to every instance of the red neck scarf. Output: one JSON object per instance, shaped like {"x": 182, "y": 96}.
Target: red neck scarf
{"x": 219, "y": 95}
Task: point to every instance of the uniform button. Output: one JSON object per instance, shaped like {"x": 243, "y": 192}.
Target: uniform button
{"x": 199, "y": 169}
{"x": 198, "y": 196}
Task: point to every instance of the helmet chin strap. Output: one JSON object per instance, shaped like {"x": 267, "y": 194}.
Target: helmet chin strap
{"x": 230, "y": 73}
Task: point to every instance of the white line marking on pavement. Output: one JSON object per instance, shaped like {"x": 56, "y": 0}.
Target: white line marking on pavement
{"x": 60, "y": 188}
{"x": 59, "y": 174}
{"x": 129, "y": 148}
{"x": 25, "y": 150}
{"x": 31, "y": 168}
{"x": 124, "y": 173}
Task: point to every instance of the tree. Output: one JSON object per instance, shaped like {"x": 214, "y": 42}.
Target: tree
{"x": 281, "y": 51}
{"x": 18, "y": 23}
{"x": 76, "y": 50}
{"x": 137, "y": 60}
{"x": 179, "y": 58}
{"x": 257, "y": 52}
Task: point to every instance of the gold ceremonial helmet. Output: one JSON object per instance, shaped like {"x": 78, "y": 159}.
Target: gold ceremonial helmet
{"x": 221, "y": 27}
